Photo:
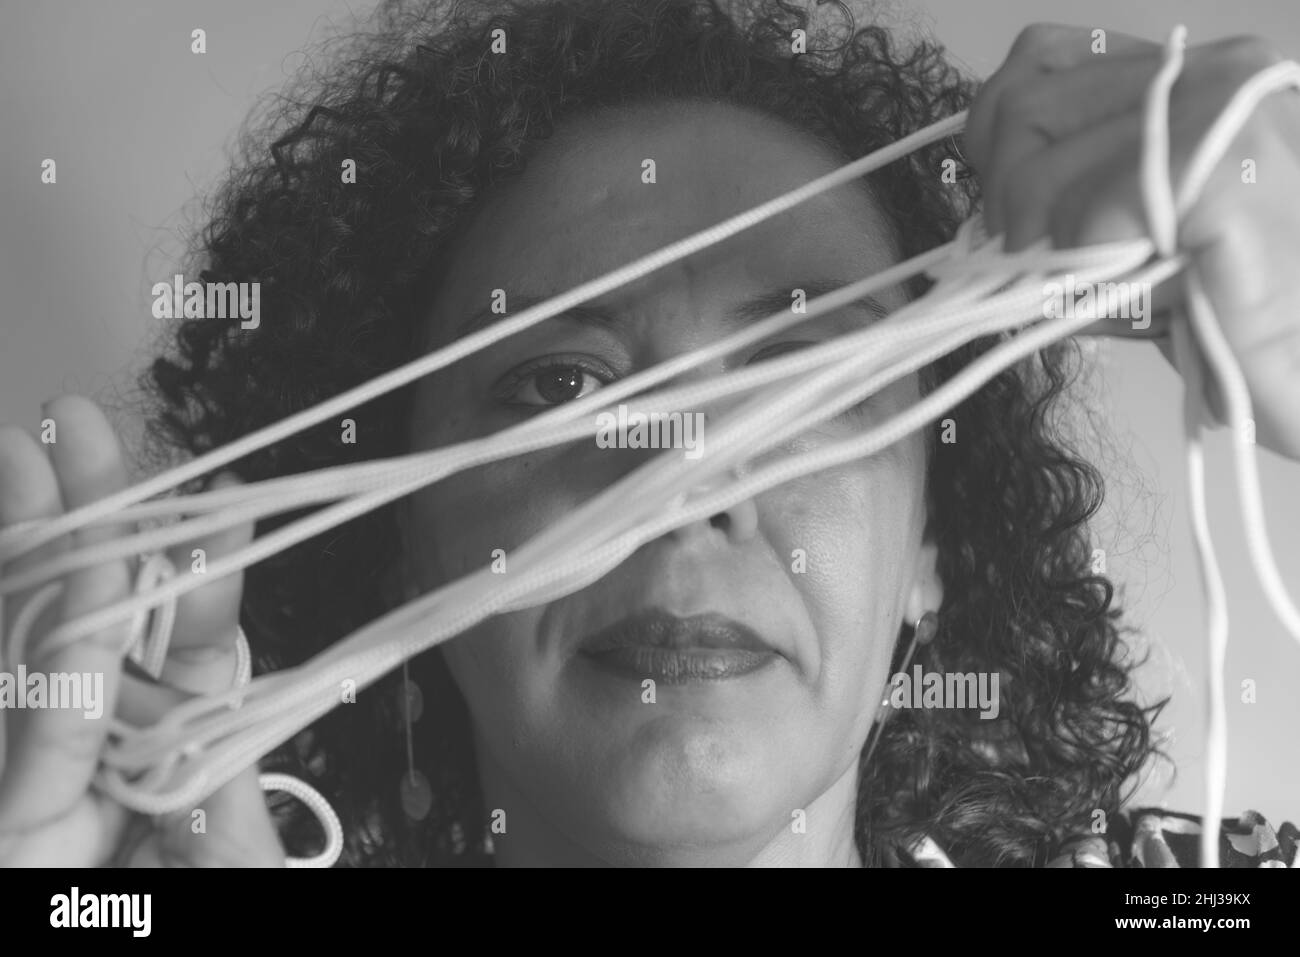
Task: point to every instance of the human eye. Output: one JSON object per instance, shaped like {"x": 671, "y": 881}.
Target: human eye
{"x": 854, "y": 414}
{"x": 551, "y": 381}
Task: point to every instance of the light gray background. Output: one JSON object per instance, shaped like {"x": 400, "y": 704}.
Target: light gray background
{"x": 139, "y": 127}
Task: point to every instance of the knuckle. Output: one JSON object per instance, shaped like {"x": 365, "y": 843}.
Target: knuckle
{"x": 1042, "y": 40}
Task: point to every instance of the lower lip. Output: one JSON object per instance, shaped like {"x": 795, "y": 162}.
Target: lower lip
{"x": 680, "y": 666}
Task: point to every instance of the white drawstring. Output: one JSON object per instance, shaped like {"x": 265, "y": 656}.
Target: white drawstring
{"x": 318, "y": 806}
{"x": 1162, "y": 220}
{"x": 980, "y": 291}
{"x": 147, "y": 646}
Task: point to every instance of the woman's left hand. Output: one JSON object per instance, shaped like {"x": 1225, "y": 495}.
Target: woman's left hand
{"x": 1056, "y": 135}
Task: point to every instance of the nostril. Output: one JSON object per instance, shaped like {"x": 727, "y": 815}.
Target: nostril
{"x": 722, "y": 522}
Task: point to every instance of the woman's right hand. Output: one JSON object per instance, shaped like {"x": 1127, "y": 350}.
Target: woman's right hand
{"x": 49, "y": 813}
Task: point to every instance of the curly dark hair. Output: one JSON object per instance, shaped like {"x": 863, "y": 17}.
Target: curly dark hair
{"x": 432, "y": 120}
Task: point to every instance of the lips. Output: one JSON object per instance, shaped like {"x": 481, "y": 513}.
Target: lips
{"x": 673, "y": 650}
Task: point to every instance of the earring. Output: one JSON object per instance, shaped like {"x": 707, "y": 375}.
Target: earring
{"x": 415, "y": 790}
{"x": 923, "y": 632}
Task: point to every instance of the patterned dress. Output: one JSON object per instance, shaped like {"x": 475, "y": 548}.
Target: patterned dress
{"x": 1152, "y": 837}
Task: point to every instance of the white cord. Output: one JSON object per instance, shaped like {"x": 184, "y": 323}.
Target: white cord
{"x": 980, "y": 291}
{"x": 1162, "y": 220}
{"x": 318, "y": 806}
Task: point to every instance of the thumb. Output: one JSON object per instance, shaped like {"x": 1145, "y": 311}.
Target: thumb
{"x": 202, "y": 656}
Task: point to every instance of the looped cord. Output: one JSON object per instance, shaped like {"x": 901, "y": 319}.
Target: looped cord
{"x": 304, "y": 792}
{"x": 147, "y": 644}
{"x": 319, "y": 807}
{"x": 980, "y": 292}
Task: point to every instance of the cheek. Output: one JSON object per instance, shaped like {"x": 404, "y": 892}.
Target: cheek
{"x": 858, "y": 529}
{"x": 466, "y": 517}
{"x": 503, "y": 680}
{"x": 459, "y": 522}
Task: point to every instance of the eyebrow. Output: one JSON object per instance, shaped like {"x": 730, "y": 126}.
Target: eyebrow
{"x": 779, "y": 299}
{"x": 750, "y": 310}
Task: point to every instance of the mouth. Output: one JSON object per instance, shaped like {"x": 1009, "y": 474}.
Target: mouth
{"x": 673, "y": 650}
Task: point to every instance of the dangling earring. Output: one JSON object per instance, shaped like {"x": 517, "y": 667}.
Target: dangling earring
{"x": 923, "y": 632}
{"x": 416, "y": 793}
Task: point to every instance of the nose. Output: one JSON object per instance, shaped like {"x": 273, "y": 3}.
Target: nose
{"x": 738, "y": 523}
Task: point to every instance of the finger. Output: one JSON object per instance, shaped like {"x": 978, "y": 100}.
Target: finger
{"x": 1073, "y": 110}
{"x": 1077, "y": 107}
{"x": 1213, "y": 395}
{"x": 201, "y": 657}
{"x": 29, "y": 491}
{"x": 1106, "y": 205}
{"x": 1080, "y": 193}
{"x": 53, "y": 761}
{"x": 1055, "y": 177}
{"x": 144, "y": 701}
{"x": 1063, "y": 46}
{"x": 1153, "y": 327}
{"x": 236, "y": 831}
{"x": 1088, "y": 190}
{"x": 1040, "y": 49}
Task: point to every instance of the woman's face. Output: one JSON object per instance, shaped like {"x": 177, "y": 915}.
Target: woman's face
{"x": 767, "y": 630}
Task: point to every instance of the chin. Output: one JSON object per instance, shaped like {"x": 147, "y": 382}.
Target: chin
{"x": 684, "y": 781}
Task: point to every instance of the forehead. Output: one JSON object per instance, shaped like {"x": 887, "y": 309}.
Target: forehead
{"x": 617, "y": 184}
